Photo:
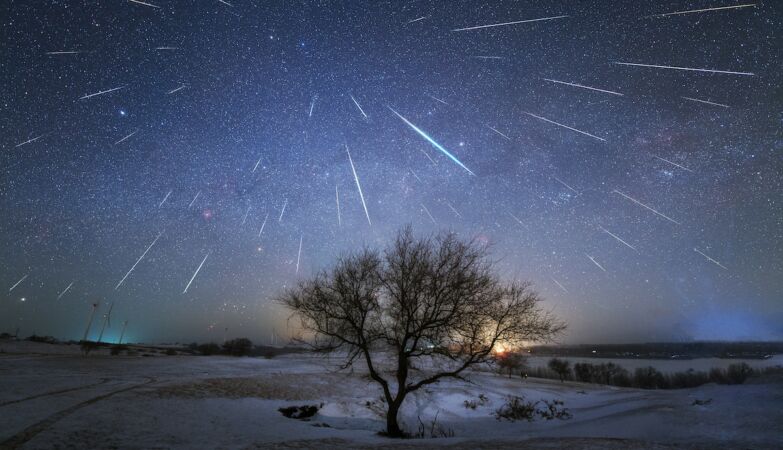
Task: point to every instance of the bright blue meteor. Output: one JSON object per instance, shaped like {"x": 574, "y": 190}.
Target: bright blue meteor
{"x": 432, "y": 141}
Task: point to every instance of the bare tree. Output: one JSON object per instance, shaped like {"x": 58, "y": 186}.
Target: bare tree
{"x": 431, "y": 306}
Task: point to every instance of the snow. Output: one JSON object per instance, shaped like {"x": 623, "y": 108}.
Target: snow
{"x": 51, "y": 396}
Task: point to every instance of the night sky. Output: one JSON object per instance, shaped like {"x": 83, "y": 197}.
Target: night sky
{"x": 656, "y": 215}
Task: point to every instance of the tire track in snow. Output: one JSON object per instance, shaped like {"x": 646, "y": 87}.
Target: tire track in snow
{"x": 61, "y": 391}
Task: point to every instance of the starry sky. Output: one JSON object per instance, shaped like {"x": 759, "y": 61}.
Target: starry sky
{"x": 643, "y": 202}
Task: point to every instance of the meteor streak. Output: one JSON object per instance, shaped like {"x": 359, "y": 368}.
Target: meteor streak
{"x": 710, "y": 259}
{"x": 176, "y": 89}
{"x": 582, "y": 86}
{"x": 226, "y": 3}
{"x": 515, "y": 218}
{"x": 195, "y": 273}
{"x": 337, "y": 198}
{"x": 436, "y": 99}
{"x": 29, "y": 141}
{"x": 706, "y": 102}
{"x": 618, "y": 238}
{"x": 595, "y": 262}
{"x": 488, "y": 57}
{"x": 246, "y": 213}
{"x": 299, "y": 255}
{"x": 358, "y": 106}
{"x": 673, "y": 163}
{"x": 564, "y": 126}
{"x": 498, "y": 132}
{"x": 70, "y": 52}
{"x": 256, "y": 166}
{"x": 454, "y": 209}
{"x": 358, "y": 186}
{"x": 102, "y": 92}
{"x": 126, "y": 137}
{"x": 418, "y": 19}
{"x": 647, "y": 207}
{"x": 166, "y": 48}
{"x": 431, "y": 141}
{"x": 563, "y": 183}
{"x": 143, "y": 3}
{"x": 428, "y": 213}
{"x": 165, "y": 198}
{"x": 691, "y": 69}
{"x": 194, "y": 199}
{"x": 312, "y": 105}
{"x": 138, "y": 261}
{"x": 18, "y": 282}
{"x": 559, "y": 285}
{"x": 509, "y": 23}
{"x": 691, "y": 11}
{"x": 64, "y": 291}
{"x": 282, "y": 211}
{"x": 263, "y": 225}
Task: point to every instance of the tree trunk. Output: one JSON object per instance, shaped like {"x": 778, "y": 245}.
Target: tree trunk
{"x": 392, "y": 427}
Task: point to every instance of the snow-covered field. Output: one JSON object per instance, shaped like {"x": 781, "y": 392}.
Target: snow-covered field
{"x": 52, "y": 397}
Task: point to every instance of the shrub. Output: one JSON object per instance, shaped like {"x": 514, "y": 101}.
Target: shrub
{"x": 516, "y": 408}
{"x": 116, "y": 349}
{"x": 433, "y": 431}
{"x": 171, "y": 352}
{"x": 300, "y": 412}
{"x": 238, "y": 347}
{"x": 554, "y": 410}
{"x": 737, "y": 373}
{"x": 649, "y": 378}
{"x": 583, "y": 372}
{"x": 209, "y": 349}
{"x": 561, "y": 367}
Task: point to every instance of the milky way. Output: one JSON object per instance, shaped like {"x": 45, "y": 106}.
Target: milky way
{"x": 626, "y": 159}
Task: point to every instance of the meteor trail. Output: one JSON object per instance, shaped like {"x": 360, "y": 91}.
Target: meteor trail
{"x": 66, "y": 290}
{"x": 583, "y": 87}
{"x": 282, "y": 211}
{"x": 710, "y": 259}
{"x": 691, "y": 11}
{"x": 509, "y": 23}
{"x": 358, "y": 106}
{"x": 145, "y": 4}
{"x": 263, "y": 225}
{"x": 431, "y": 141}
{"x": 126, "y": 137}
{"x": 246, "y": 213}
{"x": 337, "y": 198}
{"x": 70, "y": 52}
{"x": 29, "y": 141}
{"x": 358, "y": 186}
{"x": 559, "y": 285}
{"x": 176, "y": 90}
{"x": 618, "y": 238}
{"x": 498, "y": 132}
{"x": 564, "y": 126}
{"x": 312, "y": 105}
{"x": 691, "y": 69}
{"x": 436, "y": 99}
{"x": 166, "y": 48}
{"x": 673, "y": 163}
{"x": 416, "y": 176}
{"x": 488, "y": 57}
{"x": 428, "y": 157}
{"x": 101, "y": 92}
{"x": 595, "y": 262}
{"x": 563, "y": 183}
{"x": 706, "y": 102}
{"x": 256, "y": 166}
{"x": 647, "y": 207}
{"x": 428, "y": 213}
{"x": 226, "y": 3}
{"x": 418, "y": 19}
{"x": 165, "y": 198}
{"x": 453, "y": 209}
{"x": 18, "y": 282}
{"x": 299, "y": 255}
{"x": 195, "y": 273}
{"x": 515, "y": 217}
{"x": 138, "y": 261}
{"x": 194, "y": 199}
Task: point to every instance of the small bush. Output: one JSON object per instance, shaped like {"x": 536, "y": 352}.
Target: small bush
{"x": 171, "y": 352}
{"x": 516, "y": 408}
{"x": 554, "y": 410}
{"x": 42, "y": 339}
{"x": 116, "y": 349}
{"x": 300, "y": 412}
{"x": 209, "y": 349}
{"x": 649, "y": 378}
{"x": 561, "y": 367}
{"x": 238, "y": 347}
{"x": 473, "y": 404}
{"x": 737, "y": 373}
{"x": 433, "y": 431}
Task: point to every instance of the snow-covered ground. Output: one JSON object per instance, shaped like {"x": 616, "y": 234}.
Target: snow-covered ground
{"x": 52, "y": 397}
{"x": 665, "y": 365}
